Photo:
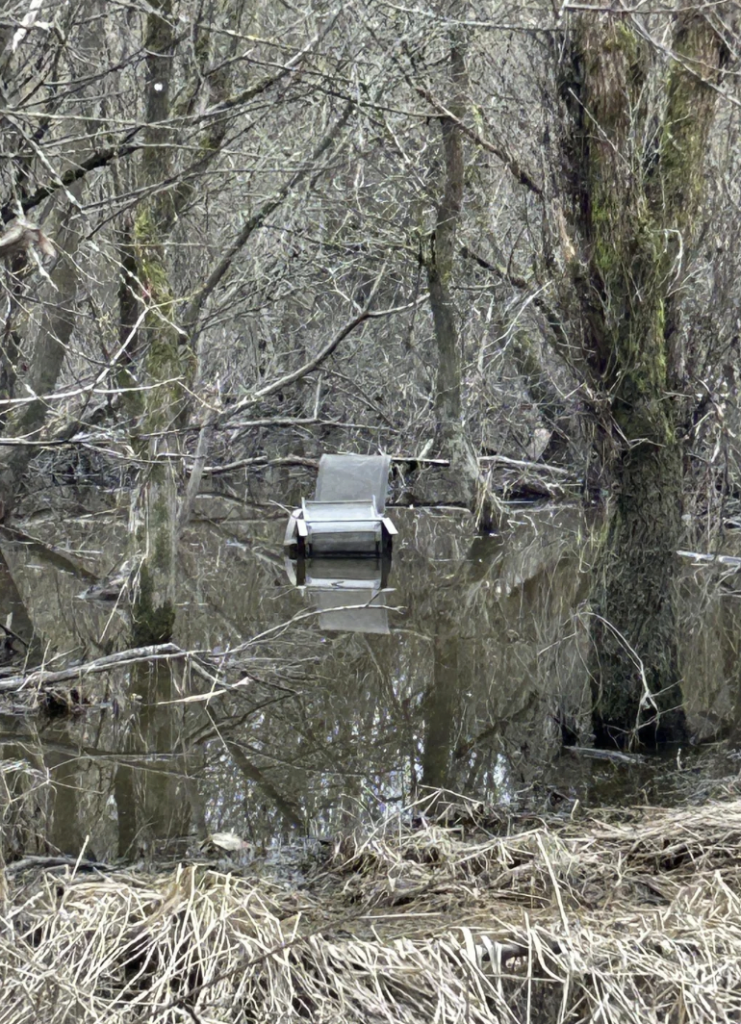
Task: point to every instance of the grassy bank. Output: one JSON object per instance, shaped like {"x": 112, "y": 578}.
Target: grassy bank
{"x": 612, "y": 917}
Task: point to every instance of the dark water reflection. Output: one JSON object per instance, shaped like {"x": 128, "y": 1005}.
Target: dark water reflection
{"x": 351, "y": 595}
{"x": 468, "y": 675}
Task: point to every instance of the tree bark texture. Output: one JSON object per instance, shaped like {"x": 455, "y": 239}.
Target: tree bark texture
{"x": 25, "y": 421}
{"x": 440, "y": 263}
{"x": 635, "y": 669}
{"x": 637, "y": 179}
{"x": 166, "y": 365}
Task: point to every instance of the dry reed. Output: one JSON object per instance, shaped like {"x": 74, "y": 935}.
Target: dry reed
{"x": 609, "y": 918}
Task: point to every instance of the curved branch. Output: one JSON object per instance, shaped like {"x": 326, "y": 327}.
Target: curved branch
{"x": 258, "y": 219}
{"x": 501, "y": 152}
{"x": 100, "y": 159}
{"x": 318, "y": 359}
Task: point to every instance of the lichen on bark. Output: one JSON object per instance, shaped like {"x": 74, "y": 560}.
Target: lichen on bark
{"x": 153, "y": 620}
{"x": 637, "y": 189}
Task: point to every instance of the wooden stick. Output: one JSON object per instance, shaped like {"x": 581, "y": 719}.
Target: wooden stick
{"x": 42, "y": 677}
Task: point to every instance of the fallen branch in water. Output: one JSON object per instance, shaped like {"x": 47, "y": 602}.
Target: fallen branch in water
{"x": 43, "y": 677}
{"x": 537, "y": 467}
{"x": 616, "y": 756}
{"x": 495, "y": 460}
{"x": 698, "y": 558}
{"x": 262, "y": 461}
{"x": 419, "y": 460}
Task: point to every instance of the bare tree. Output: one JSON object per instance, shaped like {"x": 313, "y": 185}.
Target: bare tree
{"x": 439, "y": 259}
{"x": 637, "y": 155}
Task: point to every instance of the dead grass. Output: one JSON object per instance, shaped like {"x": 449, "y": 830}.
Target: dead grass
{"x": 610, "y": 918}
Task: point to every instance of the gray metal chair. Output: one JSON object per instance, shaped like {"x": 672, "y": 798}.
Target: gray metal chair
{"x": 346, "y": 516}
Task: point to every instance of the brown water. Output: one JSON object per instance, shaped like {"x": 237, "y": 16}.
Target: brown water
{"x": 461, "y": 674}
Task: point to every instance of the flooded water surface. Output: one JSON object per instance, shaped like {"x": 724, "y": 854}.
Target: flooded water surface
{"x": 323, "y": 693}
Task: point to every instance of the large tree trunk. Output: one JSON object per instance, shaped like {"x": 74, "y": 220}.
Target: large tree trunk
{"x": 635, "y": 668}
{"x": 637, "y": 177}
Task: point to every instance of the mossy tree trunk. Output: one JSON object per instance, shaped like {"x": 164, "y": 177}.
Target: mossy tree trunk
{"x": 164, "y": 362}
{"x": 637, "y": 177}
{"x": 160, "y": 349}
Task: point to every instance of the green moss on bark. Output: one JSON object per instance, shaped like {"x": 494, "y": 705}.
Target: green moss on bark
{"x": 166, "y": 360}
{"x": 642, "y": 186}
{"x": 152, "y": 623}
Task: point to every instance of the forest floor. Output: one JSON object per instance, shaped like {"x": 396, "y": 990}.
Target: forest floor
{"x": 472, "y": 915}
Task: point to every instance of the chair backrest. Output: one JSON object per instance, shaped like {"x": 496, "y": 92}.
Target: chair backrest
{"x": 353, "y": 478}
{"x": 332, "y": 512}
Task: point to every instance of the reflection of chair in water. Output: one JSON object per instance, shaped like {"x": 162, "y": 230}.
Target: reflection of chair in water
{"x": 346, "y": 516}
{"x": 348, "y": 593}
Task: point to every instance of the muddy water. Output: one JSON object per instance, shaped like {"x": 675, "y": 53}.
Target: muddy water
{"x": 466, "y": 671}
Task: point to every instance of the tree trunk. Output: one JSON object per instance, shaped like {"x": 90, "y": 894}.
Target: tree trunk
{"x": 635, "y": 669}
{"x": 454, "y": 440}
{"x": 166, "y": 366}
{"x": 637, "y": 181}
{"x": 27, "y": 420}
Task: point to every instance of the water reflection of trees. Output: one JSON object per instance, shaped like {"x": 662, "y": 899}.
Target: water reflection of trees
{"x": 485, "y": 653}
{"x": 453, "y": 695}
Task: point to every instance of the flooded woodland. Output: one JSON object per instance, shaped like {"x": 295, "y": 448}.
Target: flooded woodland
{"x": 316, "y": 793}
{"x": 465, "y": 671}
{"x": 370, "y": 494}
